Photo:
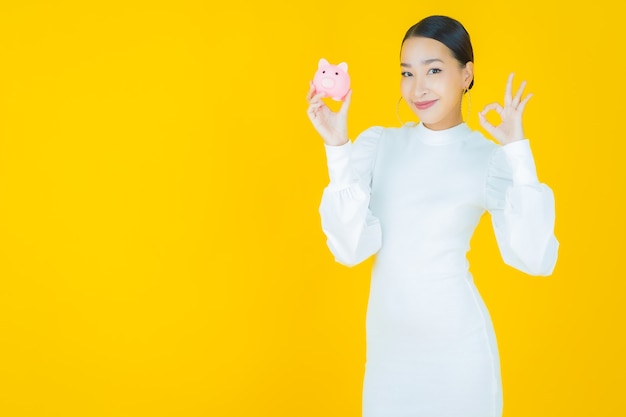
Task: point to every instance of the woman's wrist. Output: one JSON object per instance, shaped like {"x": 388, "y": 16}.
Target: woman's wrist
{"x": 340, "y": 141}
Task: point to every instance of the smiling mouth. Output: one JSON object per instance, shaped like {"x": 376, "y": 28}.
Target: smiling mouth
{"x": 423, "y": 105}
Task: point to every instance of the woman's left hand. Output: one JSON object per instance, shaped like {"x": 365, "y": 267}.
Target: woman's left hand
{"x": 510, "y": 127}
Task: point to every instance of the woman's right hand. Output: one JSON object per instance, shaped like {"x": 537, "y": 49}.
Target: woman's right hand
{"x": 332, "y": 126}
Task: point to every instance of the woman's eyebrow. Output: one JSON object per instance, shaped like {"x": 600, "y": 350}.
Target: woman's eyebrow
{"x": 431, "y": 60}
{"x": 424, "y": 62}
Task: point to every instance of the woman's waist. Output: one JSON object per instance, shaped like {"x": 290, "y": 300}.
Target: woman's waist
{"x": 428, "y": 264}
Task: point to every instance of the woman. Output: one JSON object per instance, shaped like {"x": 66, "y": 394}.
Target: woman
{"x": 413, "y": 196}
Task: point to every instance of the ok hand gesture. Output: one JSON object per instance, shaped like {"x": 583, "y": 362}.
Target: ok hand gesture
{"x": 510, "y": 128}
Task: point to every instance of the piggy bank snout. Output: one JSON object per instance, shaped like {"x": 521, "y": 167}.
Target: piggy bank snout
{"x": 328, "y": 82}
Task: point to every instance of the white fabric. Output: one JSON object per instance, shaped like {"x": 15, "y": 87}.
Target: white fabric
{"x": 413, "y": 197}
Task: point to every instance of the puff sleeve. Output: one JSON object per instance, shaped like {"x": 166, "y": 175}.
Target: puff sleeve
{"x": 353, "y": 233}
{"x": 522, "y": 210}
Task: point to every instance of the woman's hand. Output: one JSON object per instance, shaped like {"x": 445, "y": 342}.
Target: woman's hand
{"x": 332, "y": 126}
{"x": 510, "y": 128}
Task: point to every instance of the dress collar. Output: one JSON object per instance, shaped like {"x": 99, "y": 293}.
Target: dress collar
{"x": 441, "y": 137}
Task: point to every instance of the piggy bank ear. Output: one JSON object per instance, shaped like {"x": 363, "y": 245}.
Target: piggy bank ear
{"x": 343, "y": 66}
{"x": 322, "y": 63}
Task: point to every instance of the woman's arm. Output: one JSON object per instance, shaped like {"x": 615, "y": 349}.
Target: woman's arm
{"x": 353, "y": 234}
{"x": 522, "y": 209}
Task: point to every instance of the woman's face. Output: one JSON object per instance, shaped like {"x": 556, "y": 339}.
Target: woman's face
{"x": 433, "y": 82}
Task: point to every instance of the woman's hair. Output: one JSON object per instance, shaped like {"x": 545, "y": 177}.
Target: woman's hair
{"x": 448, "y": 31}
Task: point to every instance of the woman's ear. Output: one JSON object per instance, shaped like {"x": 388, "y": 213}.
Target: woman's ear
{"x": 468, "y": 74}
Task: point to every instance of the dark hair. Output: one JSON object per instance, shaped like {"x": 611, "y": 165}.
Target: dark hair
{"x": 448, "y": 31}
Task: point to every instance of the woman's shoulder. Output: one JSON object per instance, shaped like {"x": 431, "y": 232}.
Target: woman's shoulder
{"x": 372, "y": 133}
{"x": 365, "y": 146}
{"x": 378, "y": 132}
{"x": 479, "y": 140}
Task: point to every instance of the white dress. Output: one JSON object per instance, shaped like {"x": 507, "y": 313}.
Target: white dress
{"x": 413, "y": 197}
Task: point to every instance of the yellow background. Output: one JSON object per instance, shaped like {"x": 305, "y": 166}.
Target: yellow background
{"x": 160, "y": 245}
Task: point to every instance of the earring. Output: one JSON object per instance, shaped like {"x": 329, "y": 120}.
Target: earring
{"x": 398, "y": 111}
{"x": 469, "y": 102}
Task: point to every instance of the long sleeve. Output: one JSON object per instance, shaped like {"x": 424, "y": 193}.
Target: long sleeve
{"x": 522, "y": 210}
{"x": 353, "y": 233}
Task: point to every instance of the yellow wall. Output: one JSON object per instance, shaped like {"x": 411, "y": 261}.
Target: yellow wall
{"x": 160, "y": 246}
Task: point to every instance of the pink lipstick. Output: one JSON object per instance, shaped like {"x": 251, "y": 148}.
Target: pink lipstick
{"x": 423, "y": 105}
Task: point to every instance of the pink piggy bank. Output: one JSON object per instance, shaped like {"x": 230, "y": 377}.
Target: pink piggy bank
{"x": 332, "y": 79}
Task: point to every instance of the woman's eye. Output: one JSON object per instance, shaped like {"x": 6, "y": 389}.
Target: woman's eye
{"x": 434, "y": 71}
{"x": 406, "y": 74}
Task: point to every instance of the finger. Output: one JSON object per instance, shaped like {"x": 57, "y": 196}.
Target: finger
{"x": 518, "y": 95}
{"x": 314, "y": 108}
{"x": 346, "y": 103}
{"x": 491, "y": 106}
{"x": 320, "y": 95}
{"x": 311, "y": 92}
{"x": 317, "y": 97}
{"x": 522, "y": 105}
{"x": 485, "y": 124}
{"x": 508, "y": 94}
{"x": 316, "y": 104}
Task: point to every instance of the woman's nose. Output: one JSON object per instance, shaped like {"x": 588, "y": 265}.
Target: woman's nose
{"x": 419, "y": 87}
